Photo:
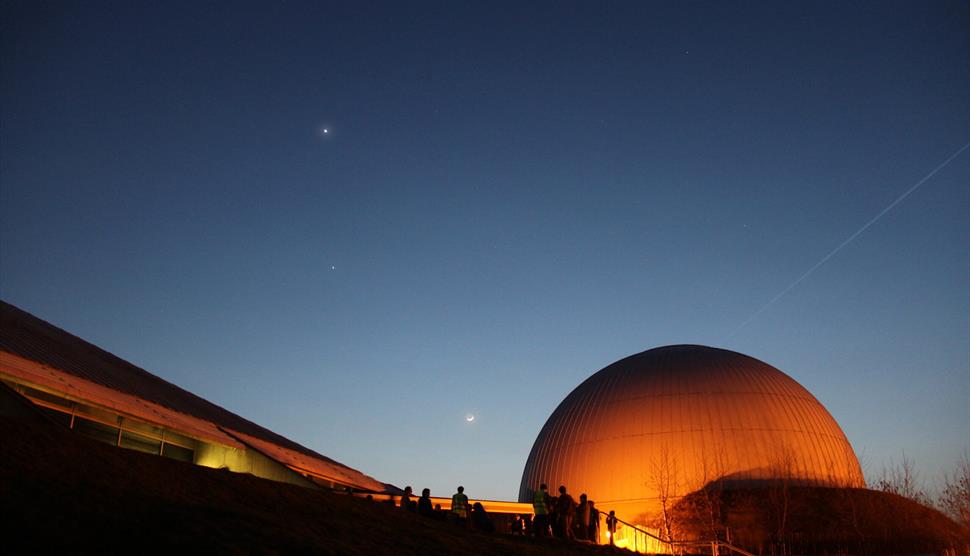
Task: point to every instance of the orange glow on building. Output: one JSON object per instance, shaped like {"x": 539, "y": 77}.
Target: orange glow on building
{"x": 653, "y": 427}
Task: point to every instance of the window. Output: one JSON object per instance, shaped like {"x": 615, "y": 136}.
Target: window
{"x": 178, "y": 453}
{"x": 58, "y": 416}
{"x": 47, "y": 399}
{"x": 97, "y": 414}
{"x": 104, "y": 425}
{"x": 97, "y": 431}
{"x": 142, "y": 428}
{"x": 140, "y": 443}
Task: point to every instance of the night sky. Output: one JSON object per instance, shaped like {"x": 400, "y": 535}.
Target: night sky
{"x": 508, "y": 198}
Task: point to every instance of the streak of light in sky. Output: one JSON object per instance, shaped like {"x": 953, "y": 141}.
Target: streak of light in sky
{"x": 850, "y": 239}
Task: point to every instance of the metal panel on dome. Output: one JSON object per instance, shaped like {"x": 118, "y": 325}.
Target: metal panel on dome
{"x": 665, "y": 422}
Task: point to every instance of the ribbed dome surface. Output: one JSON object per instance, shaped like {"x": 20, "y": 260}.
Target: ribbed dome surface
{"x": 684, "y": 416}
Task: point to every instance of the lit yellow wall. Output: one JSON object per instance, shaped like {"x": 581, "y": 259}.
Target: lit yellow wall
{"x": 246, "y": 461}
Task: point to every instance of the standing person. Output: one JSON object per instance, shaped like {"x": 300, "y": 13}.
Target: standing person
{"x": 480, "y": 519}
{"x": 565, "y": 509}
{"x": 406, "y": 498}
{"x": 424, "y": 503}
{"x": 582, "y": 518}
{"x": 459, "y": 506}
{"x": 540, "y": 505}
{"x": 611, "y": 526}
{"x": 518, "y": 525}
{"x": 593, "y": 532}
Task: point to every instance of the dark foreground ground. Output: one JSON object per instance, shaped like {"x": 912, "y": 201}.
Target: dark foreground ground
{"x": 63, "y": 493}
{"x": 780, "y": 519}
{"x": 60, "y": 492}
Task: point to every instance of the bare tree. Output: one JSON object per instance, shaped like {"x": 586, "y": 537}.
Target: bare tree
{"x": 779, "y": 495}
{"x": 955, "y": 498}
{"x": 904, "y": 480}
{"x": 713, "y": 469}
{"x": 665, "y": 479}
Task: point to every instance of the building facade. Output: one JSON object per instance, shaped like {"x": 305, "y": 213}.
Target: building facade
{"x": 651, "y": 428}
{"x": 106, "y": 398}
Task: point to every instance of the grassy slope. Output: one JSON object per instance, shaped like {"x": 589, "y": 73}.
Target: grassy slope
{"x": 62, "y": 491}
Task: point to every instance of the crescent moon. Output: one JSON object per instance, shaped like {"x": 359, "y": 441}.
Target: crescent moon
{"x": 469, "y": 417}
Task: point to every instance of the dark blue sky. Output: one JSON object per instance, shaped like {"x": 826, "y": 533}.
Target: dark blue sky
{"x": 508, "y": 199}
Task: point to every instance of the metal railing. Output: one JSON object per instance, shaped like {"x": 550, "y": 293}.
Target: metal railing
{"x": 715, "y": 545}
{"x": 675, "y": 546}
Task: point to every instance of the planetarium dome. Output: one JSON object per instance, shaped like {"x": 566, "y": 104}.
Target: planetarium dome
{"x": 666, "y": 422}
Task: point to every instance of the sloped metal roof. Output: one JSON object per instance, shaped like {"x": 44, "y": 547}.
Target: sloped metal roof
{"x": 87, "y": 371}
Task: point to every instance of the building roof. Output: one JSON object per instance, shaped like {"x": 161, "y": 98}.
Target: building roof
{"x": 87, "y": 370}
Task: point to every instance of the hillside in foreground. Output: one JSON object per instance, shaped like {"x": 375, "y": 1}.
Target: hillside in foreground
{"x": 63, "y": 492}
{"x": 784, "y": 519}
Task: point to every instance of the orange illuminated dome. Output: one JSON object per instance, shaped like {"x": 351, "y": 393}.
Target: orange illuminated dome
{"x": 666, "y": 422}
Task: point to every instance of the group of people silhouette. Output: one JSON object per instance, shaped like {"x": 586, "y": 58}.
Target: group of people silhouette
{"x": 554, "y": 516}
{"x": 460, "y": 513}
{"x": 562, "y": 517}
